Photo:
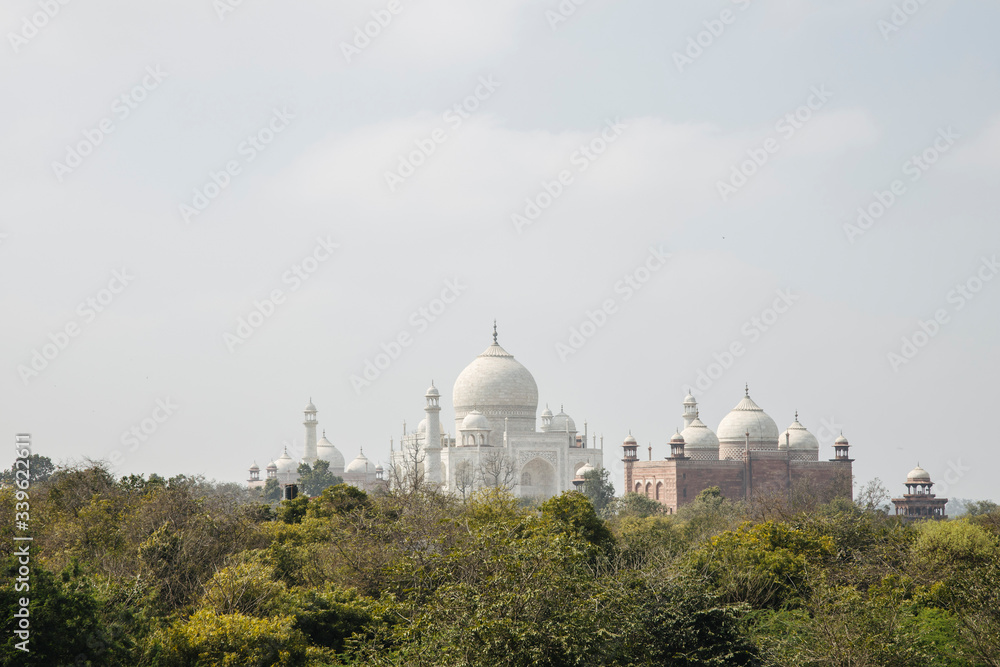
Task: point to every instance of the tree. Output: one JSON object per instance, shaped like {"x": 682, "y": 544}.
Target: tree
{"x": 271, "y": 492}
{"x": 574, "y": 513}
{"x": 598, "y": 488}
{"x": 314, "y": 479}
{"x": 496, "y": 470}
{"x": 406, "y": 473}
{"x": 206, "y": 639}
{"x": 39, "y": 467}
{"x": 465, "y": 478}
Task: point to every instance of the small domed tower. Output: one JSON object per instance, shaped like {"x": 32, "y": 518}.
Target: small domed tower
{"x": 677, "y": 446}
{"x": 919, "y": 503}
{"x": 432, "y": 436}
{"x": 690, "y": 409}
{"x": 629, "y": 449}
{"x": 309, "y": 453}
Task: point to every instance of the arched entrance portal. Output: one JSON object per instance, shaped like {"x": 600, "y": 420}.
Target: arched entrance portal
{"x": 538, "y": 479}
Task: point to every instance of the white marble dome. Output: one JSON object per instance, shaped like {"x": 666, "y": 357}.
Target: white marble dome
{"x": 476, "y": 420}
{"x": 360, "y": 464}
{"x": 499, "y": 386}
{"x": 326, "y": 451}
{"x": 700, "y": 441}
{"x": 286, "y": 466}
{"x": 747, "y": 416}
{"x": 799, "y": 438}
{"x": 562, "y": 422}
{"x": 918, "y": 476}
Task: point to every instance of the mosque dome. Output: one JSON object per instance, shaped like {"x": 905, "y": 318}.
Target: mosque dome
{"x": 476, "y": 420}
{"x": 630, "y": 439}
{"x": 698, "y": 437}
{"x": 255, "y": 467}
{"x": 918, "y": 476}
{"x": 677, "y": 439}
{"x": 841, "y": 440}
{"x": 499, "y": 386}
{"x": 562, "y": 422}
{"x": 799, "y": 438}
{"x": 326, "y": 451}
{"x": 286, "y": 465}
{"x": 360, "y": 464}
{"x": 746, "y": 417}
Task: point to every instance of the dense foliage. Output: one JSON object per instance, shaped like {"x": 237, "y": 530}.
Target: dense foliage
{"x": 169, "y": 572}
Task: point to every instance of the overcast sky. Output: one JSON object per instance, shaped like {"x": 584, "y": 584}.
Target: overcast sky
{"x": 697, "y": 168}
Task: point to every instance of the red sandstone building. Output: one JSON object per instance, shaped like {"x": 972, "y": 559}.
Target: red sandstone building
{"x": 747, "y": 458}
{"x": 919, "y": 503}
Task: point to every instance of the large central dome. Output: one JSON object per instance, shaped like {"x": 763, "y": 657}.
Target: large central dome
{"x": 497, "y": 385}
{"x": 746, "y": 418}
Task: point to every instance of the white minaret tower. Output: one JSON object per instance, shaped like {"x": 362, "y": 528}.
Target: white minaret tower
{"x": 432, "y": 437}
{"x": 309, "y": 455}
{"x": 690, "y": 409}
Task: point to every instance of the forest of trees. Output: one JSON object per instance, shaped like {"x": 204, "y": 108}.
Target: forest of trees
{"x": 183, "y": 572}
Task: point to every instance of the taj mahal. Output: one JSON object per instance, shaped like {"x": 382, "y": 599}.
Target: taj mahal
{"x": 500, "y": 440}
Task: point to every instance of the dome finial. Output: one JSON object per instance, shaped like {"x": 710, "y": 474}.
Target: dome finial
{"x": 746, "y": 390}
{"x": 796, "y": 415}
{"x": 495, "y": 332}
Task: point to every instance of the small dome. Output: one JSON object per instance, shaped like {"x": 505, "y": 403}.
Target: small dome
{"x": 584, "y": 469}
{"x": 546, "y": 412}
{"x": 796, "y": 437}
{"x": 432, "y": 390}
{"x": 689, "y": 399}
{"x": 697, "y": 436}
{"x": 841, "y": 440}
{"x": 677, "y": 439}
{"x": 422, "y": 426}
{"x": 379, "y": 468}
{"x": 254, "y": 467}
{"x": 630, "y": 439}
{"x": 285, "y": 464}
{"x": 310, "y": 407}
{"x": 360, "y": 464}
{"x": 271, "y": 466}
{"x": 476, "y": 420}
{"x": 326, "y": 451}
{"x": 562, "y": 422}
{"x": 918, "y": 475}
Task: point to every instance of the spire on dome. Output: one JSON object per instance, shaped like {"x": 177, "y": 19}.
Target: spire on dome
{"x": 746, "y": 390}
{"x": 495, "y": 332}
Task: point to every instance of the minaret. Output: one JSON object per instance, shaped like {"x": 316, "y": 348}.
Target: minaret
{"x": 309, "y": 455}
{"x": 432, "y": 437}
{"x": 690, "y": 409}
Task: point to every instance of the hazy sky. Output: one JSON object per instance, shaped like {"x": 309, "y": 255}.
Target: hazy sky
{"x": 168, "y": 167}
